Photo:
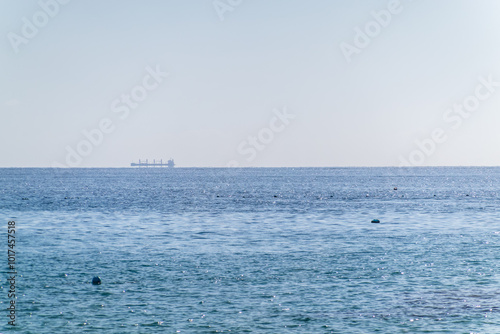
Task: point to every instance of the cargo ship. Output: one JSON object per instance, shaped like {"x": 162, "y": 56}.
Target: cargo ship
{"x": 170, "y": 163}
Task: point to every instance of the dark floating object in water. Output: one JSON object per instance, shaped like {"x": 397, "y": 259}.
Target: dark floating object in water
{"x": 376, "y": 221}
{"x": 395, "y": 188}
{"x": 24, "y": 198}
{"x": 96, "y": 280}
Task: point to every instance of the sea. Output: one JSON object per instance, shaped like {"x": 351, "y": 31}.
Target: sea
{"x": 252, "y": 250}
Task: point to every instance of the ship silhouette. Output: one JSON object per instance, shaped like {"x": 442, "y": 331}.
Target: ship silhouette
{"x": 170, "y": 163}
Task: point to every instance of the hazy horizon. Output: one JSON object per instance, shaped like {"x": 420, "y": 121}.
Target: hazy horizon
{"x": 218, "y": 83}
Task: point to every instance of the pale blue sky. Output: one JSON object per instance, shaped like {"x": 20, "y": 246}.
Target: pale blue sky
{"x": 226, "y": 78}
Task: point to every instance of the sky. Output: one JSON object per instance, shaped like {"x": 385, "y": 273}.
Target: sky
{"x": 261, "y": 83}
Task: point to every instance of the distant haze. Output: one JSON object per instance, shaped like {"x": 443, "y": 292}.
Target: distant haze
{"x": 264, "y": 83}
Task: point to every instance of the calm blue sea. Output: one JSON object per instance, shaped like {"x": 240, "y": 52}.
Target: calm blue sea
{"x": 278, "y": 250}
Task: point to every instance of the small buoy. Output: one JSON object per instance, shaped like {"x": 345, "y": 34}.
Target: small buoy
{"x": 96, "y": 280}
{"x": 376, "y": 221}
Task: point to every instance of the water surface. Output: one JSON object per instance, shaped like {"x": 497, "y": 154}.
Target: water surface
{"x": 255, "y": 250}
